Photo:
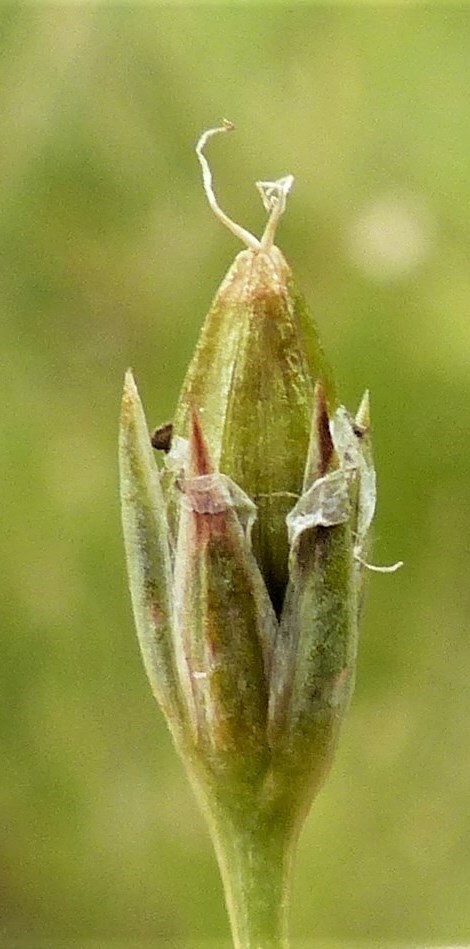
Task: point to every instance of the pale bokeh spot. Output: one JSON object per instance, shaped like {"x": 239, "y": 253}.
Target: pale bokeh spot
{"x": 391, "y": 236}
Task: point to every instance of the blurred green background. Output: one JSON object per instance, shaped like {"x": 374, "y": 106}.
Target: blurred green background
{"x": 109, "y": 258}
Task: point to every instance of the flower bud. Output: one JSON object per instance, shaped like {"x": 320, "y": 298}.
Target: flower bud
{"x": 246, "y": 554}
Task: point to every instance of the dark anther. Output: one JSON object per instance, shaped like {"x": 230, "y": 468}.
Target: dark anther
{"x": 161, "y": 438}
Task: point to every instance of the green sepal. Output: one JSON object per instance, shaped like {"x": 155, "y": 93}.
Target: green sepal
{"x": 353, "y": 438}
{"x": 147, "y": 552}
{"x": 367, "y": 488}
{"x": 313, "y": 668}
{"x": 224, "y": 624}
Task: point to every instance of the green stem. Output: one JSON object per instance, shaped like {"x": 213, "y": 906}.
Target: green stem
{"x": 255, "y": 858}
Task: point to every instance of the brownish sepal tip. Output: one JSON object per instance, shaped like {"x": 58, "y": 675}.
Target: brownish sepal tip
{"x": 325, "y": 441}
{"x": 200, "y": 462}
